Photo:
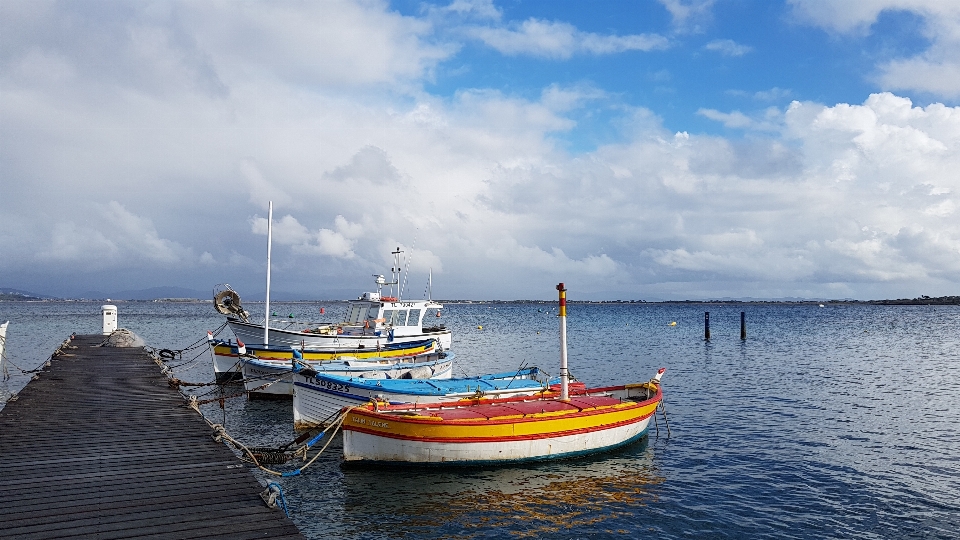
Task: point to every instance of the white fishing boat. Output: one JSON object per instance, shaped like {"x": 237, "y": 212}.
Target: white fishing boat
{"x": 227, "y": 354}
{"x": 274, "y": 378}
{"x": 374, "y": 317}
{"x": 574, "y": 422}
{"x": 319, "y": 396}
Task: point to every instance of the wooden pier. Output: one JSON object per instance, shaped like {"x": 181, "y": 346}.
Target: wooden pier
{"x": 100, "y": 446}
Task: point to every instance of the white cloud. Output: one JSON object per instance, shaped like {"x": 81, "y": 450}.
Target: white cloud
{"x": 935, "y": 70}
{"x": 931, "y": 73}
{"x": 768, "y": 120}
{"x": 336, "y": 42}
{"x": 480, "y": 9}
{"x": 773, "y": 94}
{"x": 334, "y": 243}
{"x": 728, "y": 47}
{"x": 118, "y": 237}
{"x": 817, "y": 198}
{"x": 552, "y": 39}
{"x": 554, "y": 262}
{"x": 688, "y": 14}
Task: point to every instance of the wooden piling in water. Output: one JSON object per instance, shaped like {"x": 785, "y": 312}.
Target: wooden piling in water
{"x": 100, "y": 446}
{"x": 743, "y": 325}
{"x": 706, "y": 326}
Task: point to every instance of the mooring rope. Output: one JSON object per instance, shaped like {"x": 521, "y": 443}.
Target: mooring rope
{"x": 220, "y": 434}
{"x": 59, "y": 351}
{"x": 170, "y": 354}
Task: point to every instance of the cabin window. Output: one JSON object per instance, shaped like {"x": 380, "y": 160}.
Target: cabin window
{"x": 354, "y": 315}
{"x": 373, "y": 312}
{"x": 414, "y": 319}
{"x": 388, "y": 316}
{"x": 401, "y": 319}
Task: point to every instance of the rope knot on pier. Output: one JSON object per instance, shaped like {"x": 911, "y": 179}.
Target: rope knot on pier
{"x": 218, "y": 432}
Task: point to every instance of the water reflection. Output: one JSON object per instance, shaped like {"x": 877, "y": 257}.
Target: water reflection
{"x": 528, "y": 501}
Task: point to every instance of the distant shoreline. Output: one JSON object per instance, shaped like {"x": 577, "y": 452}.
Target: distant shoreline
{"x": 921, "y": 301}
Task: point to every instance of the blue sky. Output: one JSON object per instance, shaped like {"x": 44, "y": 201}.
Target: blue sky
{"x": 655, "y": 149}
{"x": 733, "y": 56}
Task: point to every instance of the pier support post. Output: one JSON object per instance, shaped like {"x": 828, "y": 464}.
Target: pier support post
{"x": 743, "y": 325}
{"x": 706, "y": 326}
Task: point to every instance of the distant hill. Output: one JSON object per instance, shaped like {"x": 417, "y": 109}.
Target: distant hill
{"x": 15, "y": 295}
{"x": 152, "y": 293}
{"x": 922, "y": 301}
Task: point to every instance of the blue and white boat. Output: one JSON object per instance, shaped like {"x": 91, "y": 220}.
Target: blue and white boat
{"x": 319, "y": 396}
{"x": 275, "y": 378}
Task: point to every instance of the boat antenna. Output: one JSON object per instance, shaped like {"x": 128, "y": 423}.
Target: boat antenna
{"x": 430, "y": 285}
{"x": 395, "y": 271}
{"x": 406, "y": 272}
{"x": 266, "y": 307}
{"x": 564, "y": 373}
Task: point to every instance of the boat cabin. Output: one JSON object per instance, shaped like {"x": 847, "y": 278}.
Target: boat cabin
{"x": 373, "y": 313}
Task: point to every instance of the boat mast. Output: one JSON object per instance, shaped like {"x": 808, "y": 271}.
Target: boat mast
{"x": 430, "y": 286}
{"x": 564, "y": 373}
{"x": 266, "y": 316}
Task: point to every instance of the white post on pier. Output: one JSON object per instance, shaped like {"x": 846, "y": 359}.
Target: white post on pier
{"x": 109, "y": 318}
{"x": 266, "y": 317}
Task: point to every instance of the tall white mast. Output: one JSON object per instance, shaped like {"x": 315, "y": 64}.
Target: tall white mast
{"x": 266, "y": 318}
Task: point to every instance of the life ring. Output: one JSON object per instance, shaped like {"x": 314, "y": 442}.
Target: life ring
{"x": 339, "y": 330}
{"x": 388, "y": 298}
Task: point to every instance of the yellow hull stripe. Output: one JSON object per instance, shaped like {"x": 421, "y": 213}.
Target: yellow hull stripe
{"x": 224, "y": 350}
{"x": 537, "y": 425}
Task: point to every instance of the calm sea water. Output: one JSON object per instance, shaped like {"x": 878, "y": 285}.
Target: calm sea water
{"x": 826, "y": 422}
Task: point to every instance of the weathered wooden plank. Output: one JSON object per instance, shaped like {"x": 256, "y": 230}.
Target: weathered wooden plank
{"x": 99, "y": 446}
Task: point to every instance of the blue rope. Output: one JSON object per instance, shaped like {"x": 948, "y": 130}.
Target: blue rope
{"x": 314, "y": 440}
{"x": 283, "y": 500}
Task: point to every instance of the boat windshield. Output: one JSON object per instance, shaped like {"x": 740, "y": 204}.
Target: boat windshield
{"x": 401, "y": 317}
{"x": 358, "y": 312}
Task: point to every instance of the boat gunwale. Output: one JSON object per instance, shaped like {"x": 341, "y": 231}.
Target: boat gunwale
{"x": 401, "y": 346}
{"x": 502, "y": 438}
{"x": 383, "y": 414}
{"x": 285, "y": 366}
{"x": 337, "y": 358}
{"x": 466, "y": 398}
{"x": 300, "y": 333}
{"x": 582, "y": 393}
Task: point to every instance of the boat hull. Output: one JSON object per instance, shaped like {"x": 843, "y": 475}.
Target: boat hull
{"x": 253, "y": 333}
{"x": 275, "y": 379}
{"x": 316, "y": 401}
{"x": 226, "y": 367}
{"x": 528, "y": 430}
{"x": 227, "y": 364}
{"x": 359, "y": 447}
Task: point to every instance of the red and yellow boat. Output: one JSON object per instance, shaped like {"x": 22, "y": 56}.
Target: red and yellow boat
{"x": 550, "y": 425}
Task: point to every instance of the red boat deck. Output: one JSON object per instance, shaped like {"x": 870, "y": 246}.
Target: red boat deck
{"x": 523, "y": 408}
